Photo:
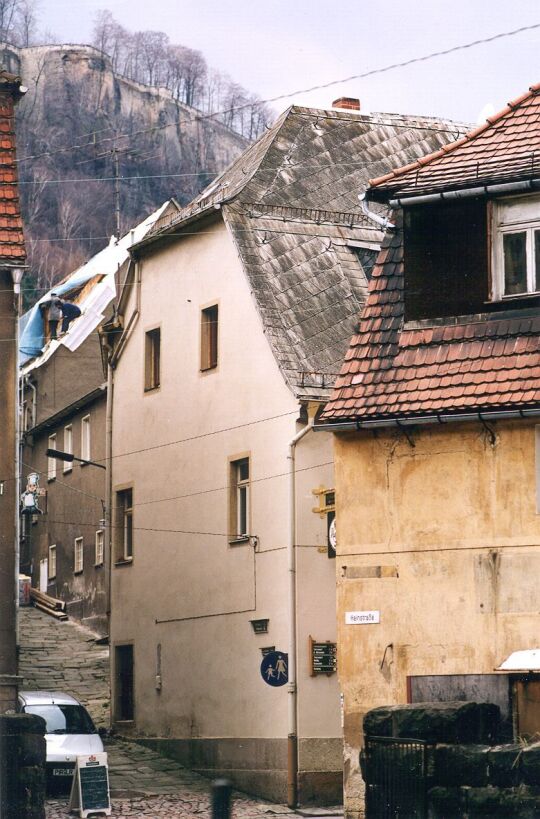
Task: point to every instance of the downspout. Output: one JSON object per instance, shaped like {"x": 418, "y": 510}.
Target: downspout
{"x": 292, "y": 716}
{"x": 109, "y": 508}
{"x": 385, "y": 223}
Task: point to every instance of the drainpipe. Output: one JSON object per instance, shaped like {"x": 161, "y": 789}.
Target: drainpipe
{"x": 17, "y": 275}
{"x": 385, "y": 223}
{"x": 109, "y": 508}
{"x": 292, "y": 721}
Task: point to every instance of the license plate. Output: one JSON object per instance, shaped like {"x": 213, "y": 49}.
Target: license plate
{"x": 62, "y": 772}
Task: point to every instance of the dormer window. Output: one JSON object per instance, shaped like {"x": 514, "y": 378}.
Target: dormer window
{"x": 516, "y": 247}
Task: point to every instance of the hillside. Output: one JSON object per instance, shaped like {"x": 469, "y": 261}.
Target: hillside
{"x": 75, "y": 98}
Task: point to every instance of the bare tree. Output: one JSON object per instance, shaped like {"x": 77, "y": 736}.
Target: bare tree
{"x": 8, "y": 10}
{"x": 26, "y": 22}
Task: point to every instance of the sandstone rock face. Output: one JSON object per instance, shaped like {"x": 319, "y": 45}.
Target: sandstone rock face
{"x": 75, "y": 99}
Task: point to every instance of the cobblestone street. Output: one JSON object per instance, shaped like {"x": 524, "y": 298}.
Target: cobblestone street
{"x": 63, "y": 656}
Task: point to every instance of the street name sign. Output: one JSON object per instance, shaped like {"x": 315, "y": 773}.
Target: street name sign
{"x": 90, "y": 786}
{"x": 362, "y": 618}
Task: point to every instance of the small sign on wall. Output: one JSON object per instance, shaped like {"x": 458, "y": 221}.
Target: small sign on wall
{"x": 323, "y": 657}
{"x": 362, "y": 618}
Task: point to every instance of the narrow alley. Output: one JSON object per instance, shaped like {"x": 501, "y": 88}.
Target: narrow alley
{"x": 63, "y": 656}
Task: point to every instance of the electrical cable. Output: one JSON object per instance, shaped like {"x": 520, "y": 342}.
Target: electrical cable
{"x": 279, "y": 97}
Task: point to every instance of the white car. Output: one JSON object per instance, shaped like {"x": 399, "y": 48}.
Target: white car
{"x": 70, "y": 731}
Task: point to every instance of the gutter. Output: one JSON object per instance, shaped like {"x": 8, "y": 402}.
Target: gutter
{"x": 466, "y": 193}
{"x": 292, "y": 707}
{"x": 385, "y": 223}
{"x": 424, "y": 420}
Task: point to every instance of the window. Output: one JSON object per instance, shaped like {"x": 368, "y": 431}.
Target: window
{"x": 124, "y": 525}
{"x": 85, "y": 438}
{"x": 52, "y": 562}
{"x": 78, "y": 559}
{"x": 517, "y": 247}
{"x": 239, "y": 501}
{"x": 209, "y": 338}
{"x": 152, "y": 353}
{"x": 51, "y": 462}
{"x": 100, "y": 547}
{"x": 68, "y": 447}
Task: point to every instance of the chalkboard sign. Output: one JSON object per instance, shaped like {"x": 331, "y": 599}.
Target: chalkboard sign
{"x": 323, "y": 657}
{"x": 90, "y": 787}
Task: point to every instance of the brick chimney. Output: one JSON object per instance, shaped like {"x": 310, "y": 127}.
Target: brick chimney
{"x": 350, "y": 103}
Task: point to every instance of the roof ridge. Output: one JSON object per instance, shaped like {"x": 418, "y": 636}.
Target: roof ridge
{"x": 452, "y": 146}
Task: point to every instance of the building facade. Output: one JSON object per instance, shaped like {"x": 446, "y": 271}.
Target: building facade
{"x": 64, "y": 546}
{"x": 235, "y": 314}
{"x": 436, "y": 414}
{"x": 12, "y": 262}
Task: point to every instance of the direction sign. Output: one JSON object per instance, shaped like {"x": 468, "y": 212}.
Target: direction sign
{"x": 275, "y": 668}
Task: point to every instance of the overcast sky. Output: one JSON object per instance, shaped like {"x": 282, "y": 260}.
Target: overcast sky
{"x": 275, "y": 47}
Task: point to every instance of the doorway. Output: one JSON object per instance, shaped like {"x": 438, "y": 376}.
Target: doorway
{"x": 124, "y": 700}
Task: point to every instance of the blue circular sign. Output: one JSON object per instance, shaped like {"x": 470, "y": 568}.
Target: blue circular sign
{"x": 275, "y": 668}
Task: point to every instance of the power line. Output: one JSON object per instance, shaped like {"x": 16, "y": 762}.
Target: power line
{"x": 363, "y": 75}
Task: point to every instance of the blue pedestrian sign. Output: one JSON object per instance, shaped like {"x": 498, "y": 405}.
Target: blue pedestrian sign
{"x": 274, "y": 668}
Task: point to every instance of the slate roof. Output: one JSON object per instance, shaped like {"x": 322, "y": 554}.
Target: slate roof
{"x": 503, "y": 149}
{"x": 438, "y": 367}
{"x": 12, "y": 250}
{"x": 290, "y": 202}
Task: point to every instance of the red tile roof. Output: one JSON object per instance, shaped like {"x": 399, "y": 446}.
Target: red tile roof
{"x": 453, "y": 366}
{"x": 505, "y": 148}
{"x": 12, "y": 250}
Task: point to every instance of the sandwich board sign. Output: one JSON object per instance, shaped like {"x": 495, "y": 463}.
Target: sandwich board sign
{"x": 90, "y": 786}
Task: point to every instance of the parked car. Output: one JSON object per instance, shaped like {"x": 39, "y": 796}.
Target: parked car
{"x": 70, "y": 731}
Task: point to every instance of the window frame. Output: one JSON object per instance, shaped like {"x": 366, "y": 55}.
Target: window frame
{"x": 52, "y": 561}
{"x": 86, "y": 439}
{"x": 239, "y": 498}
{"x": 503, "y": 224}
{"x": 124, "y": 515}
{"x": 51, "y": 462}
{"x": 152, "y": 359}
{"x": 99, "y": 548}
{"x": 209, "y": 338}
{"x": 67, "y": 466}
{"x": 78, "y": 555}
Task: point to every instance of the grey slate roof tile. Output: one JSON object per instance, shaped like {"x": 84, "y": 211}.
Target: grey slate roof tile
{"x": 291, "y": 204}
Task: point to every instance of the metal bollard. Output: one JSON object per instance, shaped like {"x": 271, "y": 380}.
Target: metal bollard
{"x": 221, "y": 799}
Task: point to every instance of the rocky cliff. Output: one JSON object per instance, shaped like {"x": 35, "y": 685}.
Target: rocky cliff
{"x": 135, "y": 147}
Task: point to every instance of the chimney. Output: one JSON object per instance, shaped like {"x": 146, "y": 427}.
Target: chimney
{"x": 349, "y": 103}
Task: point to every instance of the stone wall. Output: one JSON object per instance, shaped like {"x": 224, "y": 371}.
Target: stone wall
{"x": 467, "y": 775}
{"x": 22, "y": 766}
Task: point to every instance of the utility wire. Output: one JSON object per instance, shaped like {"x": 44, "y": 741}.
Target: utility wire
{"x": 363, "y": 75}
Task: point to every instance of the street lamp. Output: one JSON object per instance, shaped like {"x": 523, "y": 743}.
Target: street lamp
{"x": 67, "y": 456}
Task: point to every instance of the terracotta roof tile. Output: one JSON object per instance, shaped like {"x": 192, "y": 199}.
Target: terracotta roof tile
{"x": 471, "y": 364}
{"x": 504, "y": 148}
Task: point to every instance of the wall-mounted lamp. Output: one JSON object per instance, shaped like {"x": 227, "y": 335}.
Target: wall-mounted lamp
{"x": 260, "y": 626}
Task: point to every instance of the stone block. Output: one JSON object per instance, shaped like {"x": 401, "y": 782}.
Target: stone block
{"x": 378, "y": 721}
{"x": 461, "y": 765}
{"x": 504, "y": 765}
{"x": 22, "y": 766}
{"x": 445, "y": 803}
{"x": 445, "y": 722}
{"x": 501, "y": 803}
{"x": 530, "y": 764}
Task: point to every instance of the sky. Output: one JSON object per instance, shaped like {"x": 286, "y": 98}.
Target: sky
{"x": 275, "y": 47}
